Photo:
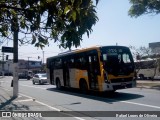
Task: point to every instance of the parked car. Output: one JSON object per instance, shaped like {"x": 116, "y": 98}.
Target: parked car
{"x": 40, "y": 78}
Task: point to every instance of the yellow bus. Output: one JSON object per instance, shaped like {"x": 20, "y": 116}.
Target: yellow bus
{"x": 99, "y": 68}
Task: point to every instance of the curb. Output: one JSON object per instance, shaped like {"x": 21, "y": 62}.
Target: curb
{"x": 148, "y": 87}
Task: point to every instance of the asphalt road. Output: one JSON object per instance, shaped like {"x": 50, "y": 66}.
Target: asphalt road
{"x": 134, "y": 99}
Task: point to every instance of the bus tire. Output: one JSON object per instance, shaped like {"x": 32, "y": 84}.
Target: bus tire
{"x": 58, "y": 84}
{"x": 83, "y": 86}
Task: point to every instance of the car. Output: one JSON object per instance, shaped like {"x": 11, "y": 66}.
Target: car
{"x": 40, "y": 78}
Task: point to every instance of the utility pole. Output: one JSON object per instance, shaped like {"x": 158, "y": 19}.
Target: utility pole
{"x": 3, "y": 64}
{"x": 15, "y": 29}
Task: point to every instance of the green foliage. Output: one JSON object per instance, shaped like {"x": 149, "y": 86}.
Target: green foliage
{"x": 64, "y": 21}
{"x": 140, "y": 7}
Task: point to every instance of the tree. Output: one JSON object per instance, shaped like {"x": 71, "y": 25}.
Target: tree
{"x": 144, "y": 53}
{"x": 140, "y": 7}
{"x": 141, "y": 52}
{"x": 63, "y": 21}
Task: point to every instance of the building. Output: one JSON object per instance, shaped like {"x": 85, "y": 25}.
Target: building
{"x": 155, "y": 47}
{"x": 23, "y": 65}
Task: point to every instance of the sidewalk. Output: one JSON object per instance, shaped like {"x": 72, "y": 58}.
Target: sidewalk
{"x": 21, "y": 104}
{"x": 155, "y": 84}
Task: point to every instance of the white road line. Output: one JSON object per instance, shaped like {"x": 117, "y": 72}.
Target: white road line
{"x": 152, "y": 106}
{"x": 48, "y": 106}
{"x": 56, "y": 109}
{"x": 140, "y": 104}
{"x": 25, "y": 95}
{"x": 24, "y": 100}
{"x": 41, "y": 103}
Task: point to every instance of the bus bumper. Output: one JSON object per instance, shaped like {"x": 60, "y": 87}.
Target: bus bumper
{"x": 116, "y": 86}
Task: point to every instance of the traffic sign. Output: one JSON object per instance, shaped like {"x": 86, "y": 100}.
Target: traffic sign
{"x": 7, "y": 49}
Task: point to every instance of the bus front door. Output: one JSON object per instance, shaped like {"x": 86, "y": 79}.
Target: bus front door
{"x": 93, "y": 72}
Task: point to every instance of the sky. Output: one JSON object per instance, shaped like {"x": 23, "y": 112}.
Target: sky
{"x": 114, "y": 27}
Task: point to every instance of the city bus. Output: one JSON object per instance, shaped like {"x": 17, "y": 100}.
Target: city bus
{"x": 147, "y": 68}
{"x": 99, "y": 68}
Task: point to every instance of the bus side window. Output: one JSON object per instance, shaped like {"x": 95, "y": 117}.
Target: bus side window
{"x": 81, "y": 62}
{"x": 71, "y": 63}
{"x": 58, "y": 63}
{"x": 77, "y": 62}
{"x": 84, "y": 63}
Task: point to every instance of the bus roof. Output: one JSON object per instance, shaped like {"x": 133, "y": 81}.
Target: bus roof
{"x": 70, "y": 52}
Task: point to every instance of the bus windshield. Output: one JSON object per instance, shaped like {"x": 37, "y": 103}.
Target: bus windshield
{"x": 117, "y": 61}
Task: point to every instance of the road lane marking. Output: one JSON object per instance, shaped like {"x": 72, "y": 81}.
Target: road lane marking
{"x": 152, "y": 106}
{"x": 48, "y": 106}
{"x": 24, "y": 100}
{"x": 26, "y": 95}
{"x": 41, "y": 102}
{"x": 56, "y": 109}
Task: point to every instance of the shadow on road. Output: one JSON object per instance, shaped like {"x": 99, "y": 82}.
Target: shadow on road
{"x": 8, "y": 105}
{"x": 110, "y": 97}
